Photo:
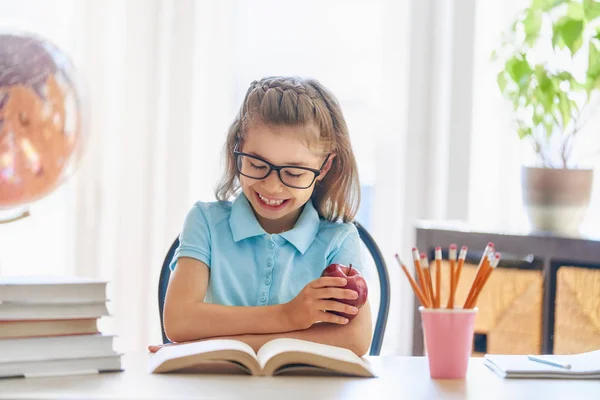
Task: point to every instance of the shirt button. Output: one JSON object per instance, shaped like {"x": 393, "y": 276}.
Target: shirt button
{"x": 272, "y": 245}
{"x": 270, "y": 263}
{"x": 267, "y": 281}
{"x": 263, "y": 298}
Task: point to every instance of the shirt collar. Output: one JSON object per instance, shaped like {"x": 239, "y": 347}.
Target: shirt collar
{"x": 305, "y": 230}
{"x": 243, "y": 224}
{"x": 242, "y": 220}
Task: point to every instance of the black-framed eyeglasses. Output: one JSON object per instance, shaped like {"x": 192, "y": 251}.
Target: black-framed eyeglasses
{"x": 255, "y": 167}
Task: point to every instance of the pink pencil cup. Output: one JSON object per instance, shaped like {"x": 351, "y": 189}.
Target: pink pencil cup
{"x": 448, "y": 340}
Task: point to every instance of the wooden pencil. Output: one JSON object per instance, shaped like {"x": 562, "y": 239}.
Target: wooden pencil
{"x": 461, "y": 261}
{"x": 483, "y": 264}
{"x": 427, "y": 274}
{"x": 452, "y": 259}
{"x": 484, "y": 280}
{"x": 481, "y": 272}
{"x": 418, "y": 269}
{"x": 413, "y": 284}
{"x": 438, "y": 277}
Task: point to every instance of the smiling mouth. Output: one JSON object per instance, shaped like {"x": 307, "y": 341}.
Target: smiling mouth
{"x": 271, "y": 203}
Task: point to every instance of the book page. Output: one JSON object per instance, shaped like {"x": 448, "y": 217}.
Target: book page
{"x": 185, "y": 356}
{"x": 284, "y": 345}
{"x": 294, "y": 351}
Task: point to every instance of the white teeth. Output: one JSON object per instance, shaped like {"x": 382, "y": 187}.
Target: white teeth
{"x": 270, "y": 202}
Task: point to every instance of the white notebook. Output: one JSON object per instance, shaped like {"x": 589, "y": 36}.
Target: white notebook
{"x": 582, "y": 366}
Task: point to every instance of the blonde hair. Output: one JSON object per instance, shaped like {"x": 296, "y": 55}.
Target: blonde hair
{"x": 299, "y": 102}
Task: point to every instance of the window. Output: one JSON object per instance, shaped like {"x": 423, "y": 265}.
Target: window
{"x": 497, "y": 154}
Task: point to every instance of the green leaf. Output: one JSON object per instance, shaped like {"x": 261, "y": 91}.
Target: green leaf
{"x": 593, "y": 61}
{"x": 519, "y": 70}
{"x": 577, "y": 86}
{"x": 574, "y": 106}
{"x": 549, "y": 128}
{"x": 545, "y": 91}
{"x": 546, "y": 99}
{"x": 565, "y": 76}
{"x": 568, "y": 32}
{"x": 537, "y": 118}
{"x": 596, "y": 37}
{"x": 565, "y": 109}
{"x": 547, "y": 5}
{"x": 575, "y": 11}
{"x": 523, "y": 131}
{"x": 532, "y": 24}
{"x": 593, "y": 83}
{"x": 502, "y": 81}
{"x": 557, "y": 40}
{"x": 591, "y": 9}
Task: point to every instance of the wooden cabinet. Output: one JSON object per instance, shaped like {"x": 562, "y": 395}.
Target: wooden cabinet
{"x": 577, "y": 311}
{"x": 544, "y": 297}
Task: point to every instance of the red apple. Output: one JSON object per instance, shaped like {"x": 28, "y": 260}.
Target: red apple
{"x": 355, "y": 282}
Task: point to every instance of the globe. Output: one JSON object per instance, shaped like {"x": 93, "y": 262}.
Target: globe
{"x": 41, "y": 120}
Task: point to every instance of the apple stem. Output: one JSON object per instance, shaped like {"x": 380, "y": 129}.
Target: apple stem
{"x": 349, "y": 269}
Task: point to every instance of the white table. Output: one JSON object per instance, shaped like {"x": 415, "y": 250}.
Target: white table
{"x": 399, "y": 378}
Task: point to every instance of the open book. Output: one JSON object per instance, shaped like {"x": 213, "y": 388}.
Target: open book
{"x": 279, "y": 356}
{"x": 582, "y": 366}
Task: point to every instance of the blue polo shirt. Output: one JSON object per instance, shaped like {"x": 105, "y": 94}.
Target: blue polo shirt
{"x": 249, "y": 267}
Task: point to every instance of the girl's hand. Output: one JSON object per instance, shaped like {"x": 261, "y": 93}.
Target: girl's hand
{"x": 153, "y": 348}
{"x": 315, "y": 299}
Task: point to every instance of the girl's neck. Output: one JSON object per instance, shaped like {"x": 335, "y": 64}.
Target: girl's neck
{"x": 286, "y": 223}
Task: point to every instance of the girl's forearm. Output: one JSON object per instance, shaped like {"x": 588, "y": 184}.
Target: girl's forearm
{"x": 355, "y": 336}
{"x": 348, "y": 336}
{"x": 195, "y": 321}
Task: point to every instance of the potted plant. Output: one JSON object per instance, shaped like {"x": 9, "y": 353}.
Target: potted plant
{"x": 550, "y": 71}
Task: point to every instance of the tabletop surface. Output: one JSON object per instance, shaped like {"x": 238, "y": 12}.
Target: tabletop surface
{"x": 398, "y": 377}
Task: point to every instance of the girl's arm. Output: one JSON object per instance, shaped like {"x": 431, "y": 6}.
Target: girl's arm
{"x": 355, "y": 336}
{"x": 187, "y": 317}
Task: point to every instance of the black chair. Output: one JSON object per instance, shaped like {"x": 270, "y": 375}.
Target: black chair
{"x": 384, "y": 285}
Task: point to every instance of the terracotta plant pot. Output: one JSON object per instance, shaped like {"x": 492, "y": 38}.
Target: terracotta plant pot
{"x": 556, "y": 200}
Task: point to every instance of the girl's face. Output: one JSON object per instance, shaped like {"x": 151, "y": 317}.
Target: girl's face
{"x": 276, "y": 206}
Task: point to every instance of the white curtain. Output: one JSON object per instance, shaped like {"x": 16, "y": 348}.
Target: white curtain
{"x": 133, "y": 188}
{"x": 164, "y": 81}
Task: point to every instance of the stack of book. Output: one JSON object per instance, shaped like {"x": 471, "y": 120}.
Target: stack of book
{"x": 49, "y": 326}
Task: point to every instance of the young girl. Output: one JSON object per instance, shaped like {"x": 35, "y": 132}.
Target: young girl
{"x": 250, "y": 269}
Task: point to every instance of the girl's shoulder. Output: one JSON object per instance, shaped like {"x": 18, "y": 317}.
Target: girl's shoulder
{"x": 214, "y": 206}
{"x": 336, "y": 230}
{"x": 211, "y": 211}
